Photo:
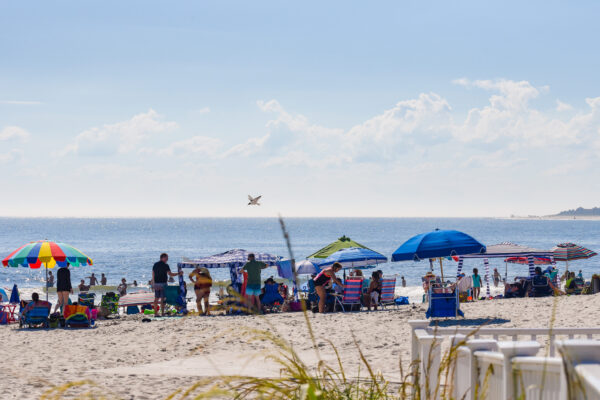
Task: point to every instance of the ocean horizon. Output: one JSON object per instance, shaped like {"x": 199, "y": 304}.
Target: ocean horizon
{"x": 128, "y": 247}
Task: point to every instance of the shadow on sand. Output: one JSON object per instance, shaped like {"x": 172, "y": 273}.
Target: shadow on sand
{"x": 469, "y": 322}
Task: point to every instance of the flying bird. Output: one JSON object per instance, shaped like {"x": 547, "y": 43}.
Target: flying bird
{"x": 254, "y": 200}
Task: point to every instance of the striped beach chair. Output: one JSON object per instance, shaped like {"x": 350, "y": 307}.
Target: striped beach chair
{"x": 388, "y": 292}
{"x": 351, "y": 295}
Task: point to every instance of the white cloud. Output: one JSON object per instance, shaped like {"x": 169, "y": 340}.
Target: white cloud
{"x": 121, "y": 137}
{"x": 14, "y": 133}
{"x": 196, "y": 145}
{"x": 500, "y": 134}
{"x": 21, "y": 102}
{"x": 203, "y": 110}
{"x": 560, "y": 106}
{"x": 11, "y": 156}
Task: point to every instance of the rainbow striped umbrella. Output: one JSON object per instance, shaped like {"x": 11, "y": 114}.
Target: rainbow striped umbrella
{"x": 34, "y": 254}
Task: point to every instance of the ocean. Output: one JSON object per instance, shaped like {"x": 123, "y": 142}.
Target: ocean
{"x": 127, "y": 248}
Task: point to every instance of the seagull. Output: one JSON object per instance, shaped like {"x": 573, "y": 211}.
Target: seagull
{"x": 254, "y": 200}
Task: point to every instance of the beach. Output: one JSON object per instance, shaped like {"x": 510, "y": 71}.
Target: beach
{"x": 126, "y": 358}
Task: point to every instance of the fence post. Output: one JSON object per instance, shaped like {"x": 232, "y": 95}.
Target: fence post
{"x": 430, "y": 349}
{"x": 414, "y": 325}
{"x": 477, "y": 345}
{"x": 510, "y": 350}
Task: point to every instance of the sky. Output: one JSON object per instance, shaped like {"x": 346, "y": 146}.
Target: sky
{"x": 341, "y": 108}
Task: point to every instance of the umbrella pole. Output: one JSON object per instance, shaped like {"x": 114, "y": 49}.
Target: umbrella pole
{"x": 442, "y": 269}
{"x": 46, "y": 283}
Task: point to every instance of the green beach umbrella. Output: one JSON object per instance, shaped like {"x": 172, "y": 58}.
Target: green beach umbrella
{"x": 342, "y": 243}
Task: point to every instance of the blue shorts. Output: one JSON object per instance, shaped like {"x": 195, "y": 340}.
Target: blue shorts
{"x": 159, "y": 290}
{"x": 253, "y": 290}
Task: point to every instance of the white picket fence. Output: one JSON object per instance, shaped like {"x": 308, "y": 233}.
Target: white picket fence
{"x": 484, "y": 366}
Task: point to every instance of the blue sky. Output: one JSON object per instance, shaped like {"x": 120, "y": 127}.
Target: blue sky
{"x": 339, "y": 109}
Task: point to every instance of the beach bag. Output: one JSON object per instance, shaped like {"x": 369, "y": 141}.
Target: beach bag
{"x": 401, "y": 301}
{"x": 3, "y": 318}
{"x": 132, "y": 310}
{"x": 53, "y": 320}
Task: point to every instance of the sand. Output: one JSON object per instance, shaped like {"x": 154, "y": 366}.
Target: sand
{"x": 128, "y": 359}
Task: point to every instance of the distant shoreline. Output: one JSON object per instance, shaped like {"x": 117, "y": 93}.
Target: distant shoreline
{"x": 558, "y": 218}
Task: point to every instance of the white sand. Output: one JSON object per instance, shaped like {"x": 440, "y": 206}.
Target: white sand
{"x": 128, "y": 359}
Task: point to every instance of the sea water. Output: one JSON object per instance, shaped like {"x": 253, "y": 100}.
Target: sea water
{"x": 127, "y": 248}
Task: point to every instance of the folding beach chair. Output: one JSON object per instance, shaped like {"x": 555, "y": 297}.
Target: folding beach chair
{"x": 36, "y": 316}
{"x": 110, "y": 302}
{"x": 443, "y": 302}
{"x": 86, "y": 299}
{"x": 351, "y": 295}
{"x": 78, "y": 317}
{"x": 388, "y": 292}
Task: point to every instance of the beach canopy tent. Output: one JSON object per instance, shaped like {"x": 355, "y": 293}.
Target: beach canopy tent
{"x": 506, "y": 250}
{"x": 342, "y": 243}
{"x": 232, "y": 259}
{"x": 437, "y": 244}
{"x": 354, "y": 257}
{"x": 47, "y": 253}
{"x": 570, "y": 251}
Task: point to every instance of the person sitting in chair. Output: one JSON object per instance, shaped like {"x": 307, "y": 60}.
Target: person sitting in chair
{"x": 35, "y": 302}
{"x": 542, "y": 285}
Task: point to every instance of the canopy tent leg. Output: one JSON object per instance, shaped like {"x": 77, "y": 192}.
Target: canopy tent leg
{"x": 531, "y": 263}
{"x": 46, "y": 265}
{"x": 442, "y": 269}
{"x": 460, "y": 267}
{"x": 486, "y": 263}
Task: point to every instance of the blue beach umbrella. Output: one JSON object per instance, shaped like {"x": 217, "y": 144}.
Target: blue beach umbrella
{"x": 437, "y": 244}
{"x": 354, "y": 257}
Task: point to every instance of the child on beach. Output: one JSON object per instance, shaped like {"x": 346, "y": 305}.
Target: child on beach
{"x": 122, "y": 288}
{"x": 476, "y": 279}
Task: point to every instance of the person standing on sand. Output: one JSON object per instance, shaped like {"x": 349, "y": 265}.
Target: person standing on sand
{"x": 160, "y": 275}
{"x": 202, "y": 281}
{"x": 103, "y": 280}
{"x": 63, "y": 287}
{"x": 122, "y": 288}
{"x": 403, "y": 282}
{"x": 322, "y": 279}
{"x": 476, "y": 279}
{"x": 254, "y": 268}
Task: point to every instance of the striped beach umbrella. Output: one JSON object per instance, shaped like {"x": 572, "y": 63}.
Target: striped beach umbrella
{"x": 47, "y": 253}
{"x": 571, "y": 251}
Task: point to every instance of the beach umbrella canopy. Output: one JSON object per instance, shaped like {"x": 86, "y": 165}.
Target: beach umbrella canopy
{"x": 342, "y": 243}
{"x": 235, "y": 257}
{"x": 307, "y": 267}
{"x": 525, "y": 261}
{"x": 354, "y": 257}
{"x": 47, "y": 253}
{"x": 571, "y": 251}
{"x": 437, "y": 244}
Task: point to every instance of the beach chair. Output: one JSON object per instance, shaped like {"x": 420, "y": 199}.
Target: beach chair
{"x": 36, "y": 316}
{"x": 272, "y": 297}
{"x": 540, "y": 286}
{"x": 443, "y": 303}
{"x": 86, "y": 299}
{"x": 351, "y": 295}
{"x": 110, "y": 302}
{"x": 78, "y": 317}
{"x": 388, "y": 292}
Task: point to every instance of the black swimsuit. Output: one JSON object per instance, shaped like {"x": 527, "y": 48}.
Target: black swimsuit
{"x": 321, "y": 279}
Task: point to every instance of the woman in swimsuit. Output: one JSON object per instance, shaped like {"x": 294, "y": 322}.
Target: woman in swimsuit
{"x": 323, "y": 279}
